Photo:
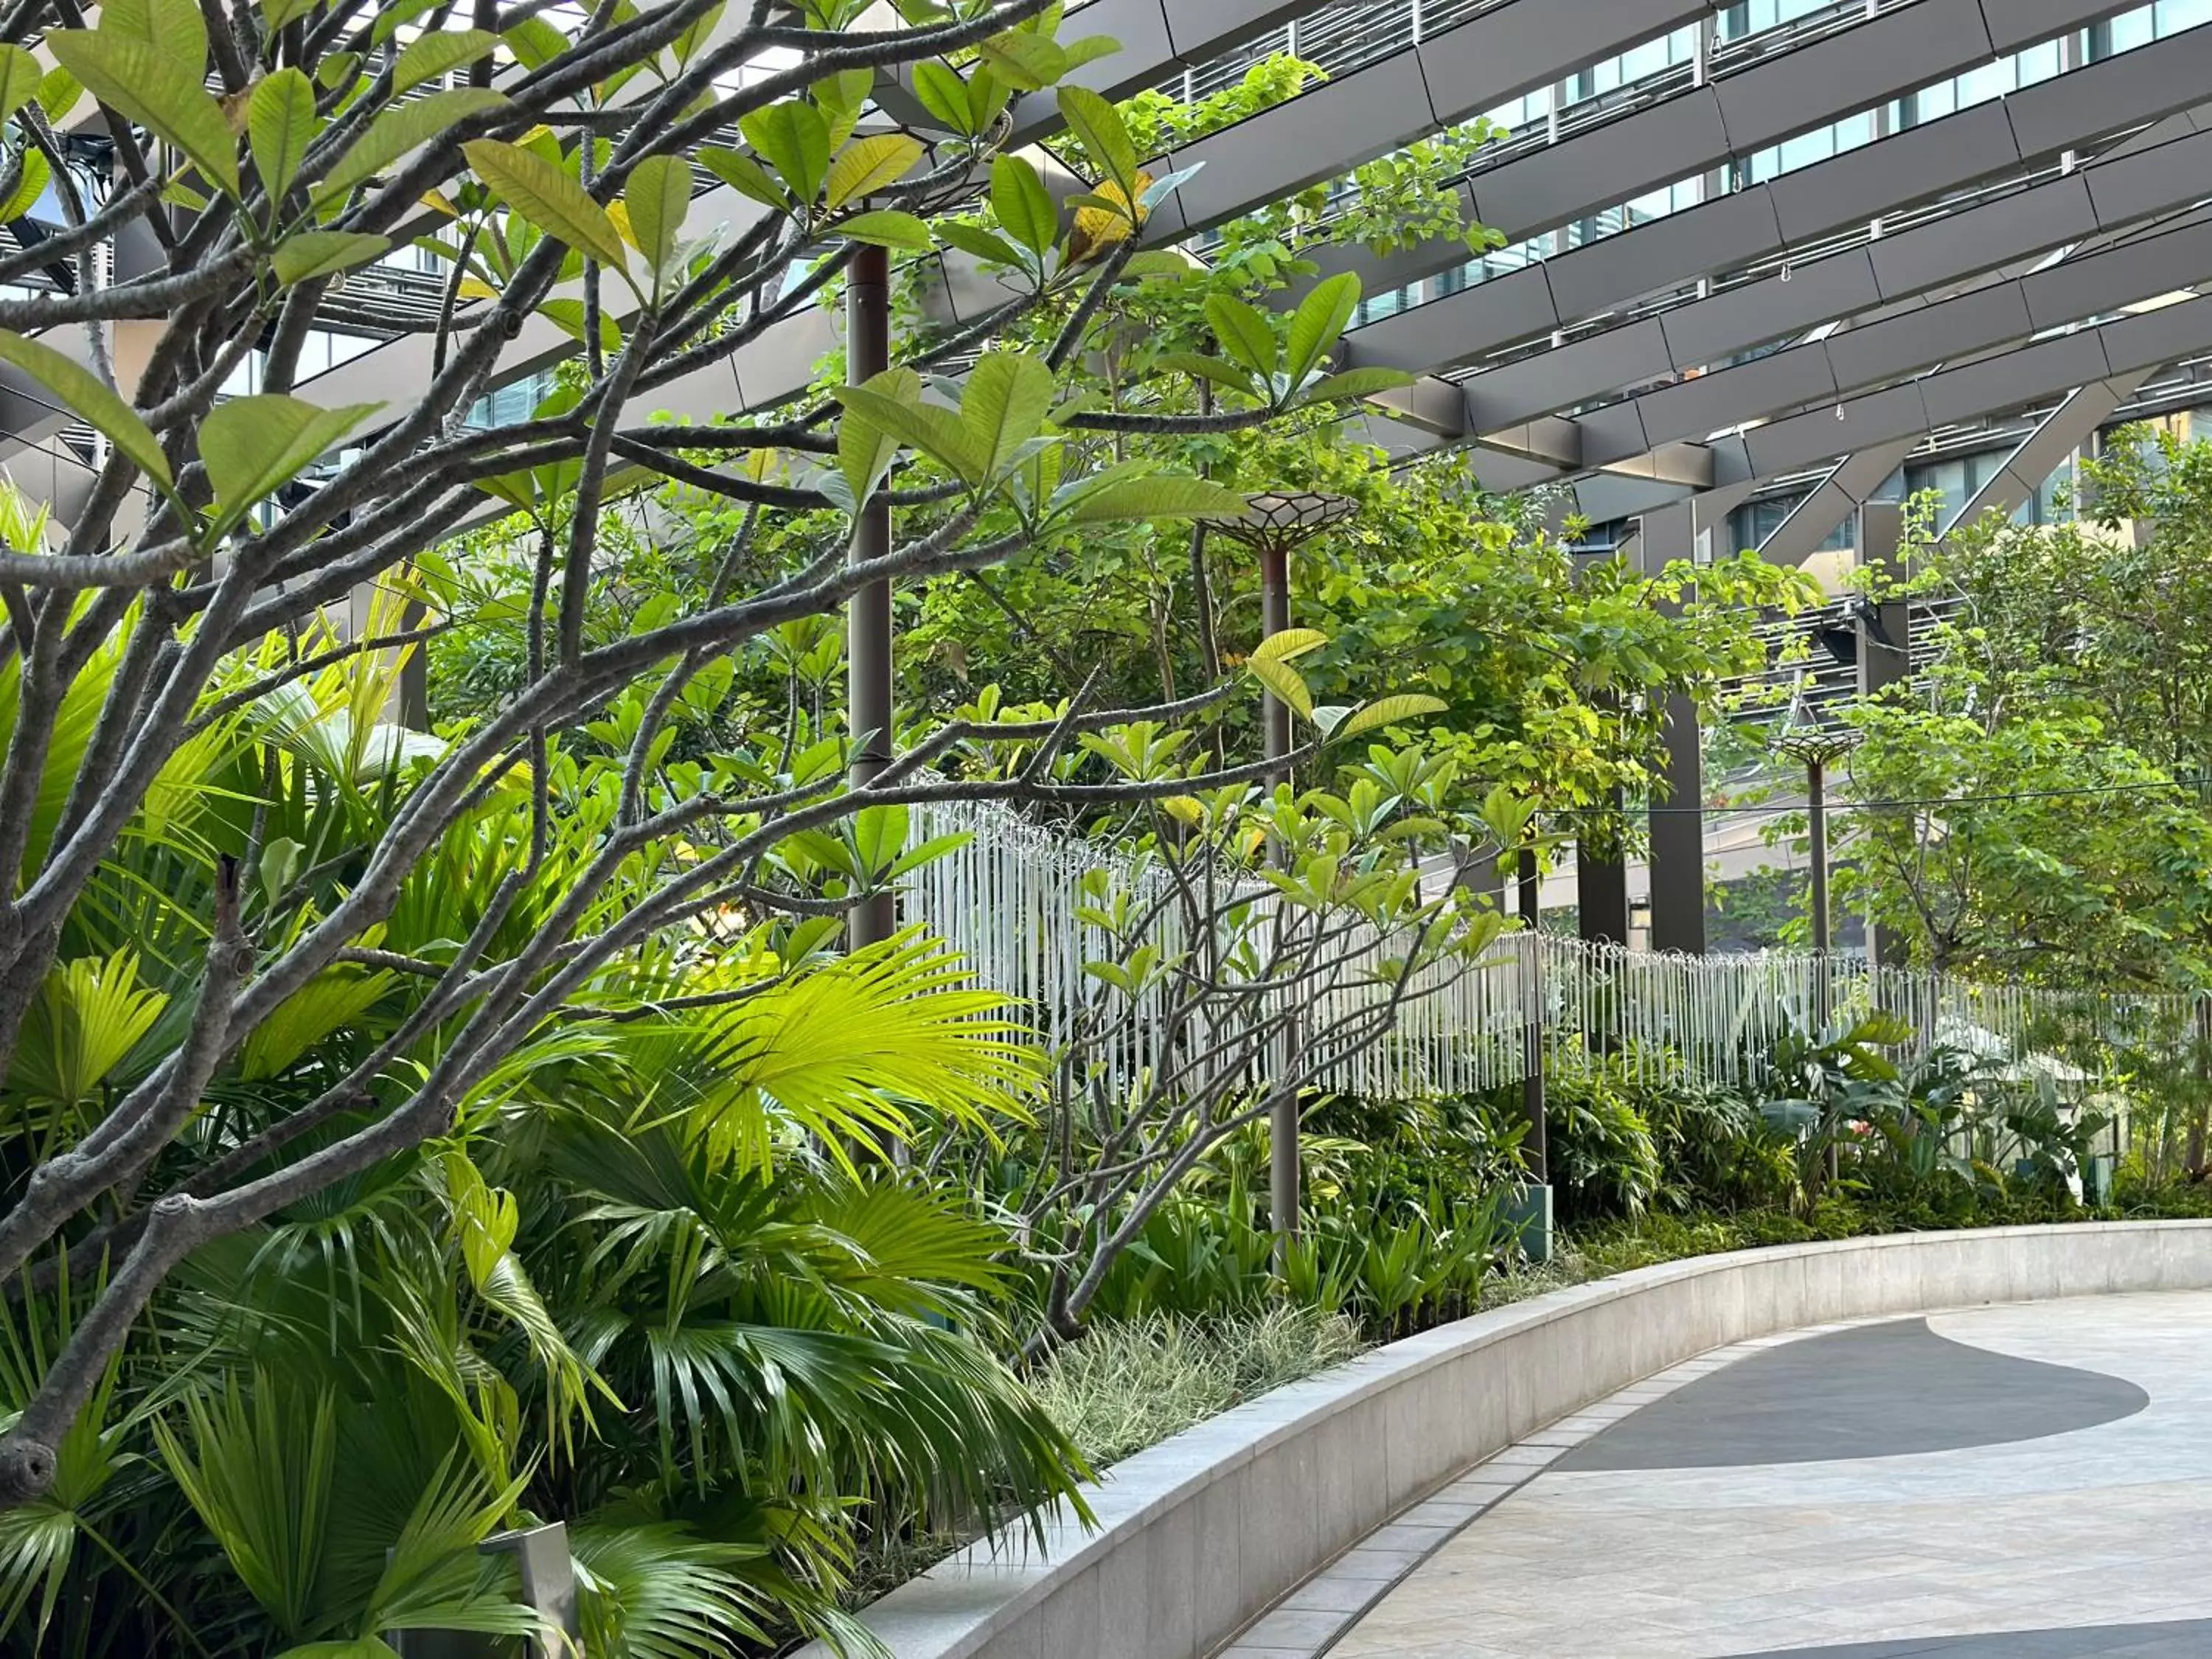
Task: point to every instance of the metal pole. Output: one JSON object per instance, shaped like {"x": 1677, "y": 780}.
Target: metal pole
{"x": 868, "y": 623}
{"x": 1283, "y": 1110}
{"x": 1532, "y": 1085}
{"x": 1816, "y": 800}
{"x": 1816, "y": 795}
{"x": 1274, "y": 618}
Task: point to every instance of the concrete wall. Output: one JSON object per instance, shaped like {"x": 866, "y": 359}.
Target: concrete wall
{"x": 1199, "y": 1534}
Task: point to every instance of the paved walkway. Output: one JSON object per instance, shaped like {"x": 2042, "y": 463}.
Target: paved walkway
{"x": 2000, "y": 1483}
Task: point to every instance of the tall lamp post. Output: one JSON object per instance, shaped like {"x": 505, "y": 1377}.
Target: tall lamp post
{"x": 1273, "y": 524}
{"x": 1815, "y": 744}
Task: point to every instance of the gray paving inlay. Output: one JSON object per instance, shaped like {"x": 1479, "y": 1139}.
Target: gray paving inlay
{"x": 2181, "y": 1638}
{"x": 1885, "y": 1390}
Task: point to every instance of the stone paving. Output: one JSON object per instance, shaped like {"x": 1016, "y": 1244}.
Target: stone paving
{"x": 2018, "y": 1482}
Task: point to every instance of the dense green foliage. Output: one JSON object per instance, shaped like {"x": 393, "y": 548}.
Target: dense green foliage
{"x": 2058, "y": 749}
{"x": 621, "y": 1290}
{"x": 572, "y": 1169}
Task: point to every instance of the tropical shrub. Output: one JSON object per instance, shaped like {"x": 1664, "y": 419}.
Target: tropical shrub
{"x": 634, "y": 1284}
{"x": 273, "y": 161}
{"x": 1602, "y": 1158}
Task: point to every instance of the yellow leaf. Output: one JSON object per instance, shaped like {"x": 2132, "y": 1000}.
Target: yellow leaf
{"x": 474, "y": 289}
{"x": 619, "y": 212}
{"x": 438, "y": 202}
{"x": 1098, "y": 228}
{"x": 871, "y": 164}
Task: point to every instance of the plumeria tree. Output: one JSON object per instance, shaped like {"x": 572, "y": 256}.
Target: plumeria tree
{"x": 263, "y": 161}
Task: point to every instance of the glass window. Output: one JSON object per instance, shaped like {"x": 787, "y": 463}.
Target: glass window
{"x": 1751, "y": 525}
{"x": 2122, "y": 33}
{"x": 510, "y": 403}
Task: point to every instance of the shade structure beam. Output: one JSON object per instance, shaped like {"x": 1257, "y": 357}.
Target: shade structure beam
{"x": 2064, "y": 430}
{"x": 1850, "y": 484}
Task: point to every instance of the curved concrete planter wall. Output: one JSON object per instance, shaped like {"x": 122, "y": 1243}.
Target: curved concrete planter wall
{"x": 1199, "y": 1534}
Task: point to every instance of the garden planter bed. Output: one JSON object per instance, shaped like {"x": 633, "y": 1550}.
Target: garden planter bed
{"x": 1199, "y": 1533}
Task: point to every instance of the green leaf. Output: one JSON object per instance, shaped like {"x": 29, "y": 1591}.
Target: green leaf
{"x": 253, "y": 445}
{"x": 658, "y": 196}
{"x": 1319, "y": 322}
{"x": 1355, "y": 383}
{"x": 20, "y": 76}
{"x": 1023, "y": 205}
{"x": 535, "y": 42}
{"x": 281, "y": 122}
{"x": 1506, "y": 815}
{"x": 173, "y": 26}
{"x": 485, "y": 1217}
{"x": 1026, "y": 62}
{"x": 58, "y": 95}
{"x": 1172, "y": 497}
{"x": 686, "y": 44}
{"x": 887, "y": 229}
{"x": 1089, "y": 50}
{"x": 275, "y": 13}
{"x": 988, "y": 97}
{"x": 937, "y": 433}
{"x": 1098, "y": 127}
{"x": 840, "y": 98}
{"x": 1159, "y": 264}
{"x": 567, "y": 316}
{"x": 1291, "y": 642}
{"x": 83, "y": 393}
{"x": 793, "y": 138}
{"x": 400, "y": 128}
{"x": 319, "y": 253}
{"x": 1388, "y": 711}
{"x": 1008, "y": 395}
{"x": 871, "y": 163}
{"x": 156, "y": 88}
{"x": 944, "y": 95}
{"x": 866, "y": 450}
{"x": 1285, "y": 682}
{"x": 880, "y": 836}
{"x": 549, "y": 198}
{"x": 1244, "y": 332}
{"x": 37, "y": 173}
{"x": 428, "y": 56}
{"x": 979, "y": 243}
{"x": 745, "y": 176}
{"x": 280, "y": 862}
{"x": 393, "y": 15}
{"x": 1218, "y": 370}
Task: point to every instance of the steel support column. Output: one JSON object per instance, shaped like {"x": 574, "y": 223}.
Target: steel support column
{"x": 1885, "y": 627}
{"x": 1602, "y": 880}
{"x": 1884, "y": 651}
{"x": 1678, "y": 823}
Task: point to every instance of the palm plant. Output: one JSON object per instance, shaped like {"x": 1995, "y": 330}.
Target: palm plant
{"x": 650, "y": 1282}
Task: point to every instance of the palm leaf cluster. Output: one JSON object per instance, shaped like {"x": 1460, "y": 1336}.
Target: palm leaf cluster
{"x": 645, "y": 1285}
